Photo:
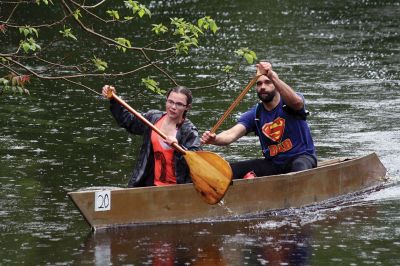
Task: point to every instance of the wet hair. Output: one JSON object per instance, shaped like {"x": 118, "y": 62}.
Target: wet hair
{"x": 185, "y": 91}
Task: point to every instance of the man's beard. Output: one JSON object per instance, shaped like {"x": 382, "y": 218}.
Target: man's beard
{"x": 266, "y": 97}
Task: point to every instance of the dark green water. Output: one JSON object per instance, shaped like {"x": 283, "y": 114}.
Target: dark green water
{"x": 342, "y": 55}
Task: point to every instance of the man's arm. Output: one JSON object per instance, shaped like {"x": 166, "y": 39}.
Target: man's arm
{"x": 225, "y": 137}
{"x": 290, "y": 97}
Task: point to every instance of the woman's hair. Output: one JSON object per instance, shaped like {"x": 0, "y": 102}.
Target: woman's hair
{"x": 183, "y": 90}
{"x": 186, "y": 92}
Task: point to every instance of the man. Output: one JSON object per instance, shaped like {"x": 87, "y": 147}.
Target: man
{"x": 279, "y": 120}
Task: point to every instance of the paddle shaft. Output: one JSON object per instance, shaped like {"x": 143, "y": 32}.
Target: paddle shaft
{"x": 235, "y": 103}
{"x": 144, "y": 120}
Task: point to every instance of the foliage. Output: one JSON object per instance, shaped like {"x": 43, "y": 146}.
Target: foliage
{"x": 152, "y": 85}
{"x": 14, "y": 84}
{"x": 249, "y": 55}
{"x": 30, "y": 41}
{"x": 100, "y": 64}
{"x": 67, "y": 33}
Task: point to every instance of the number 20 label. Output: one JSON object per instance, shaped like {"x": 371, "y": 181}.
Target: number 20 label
{"x": 102, "y": 201}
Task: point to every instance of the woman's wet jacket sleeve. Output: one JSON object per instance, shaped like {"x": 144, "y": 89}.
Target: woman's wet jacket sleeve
{"x": 126, "y": 120}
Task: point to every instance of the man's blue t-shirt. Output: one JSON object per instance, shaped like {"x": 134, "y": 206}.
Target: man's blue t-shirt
{"x": 282, "y": 135}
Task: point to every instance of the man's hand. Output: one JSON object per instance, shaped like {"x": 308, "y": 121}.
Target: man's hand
{"x": 208, "y": 138}
{"x": 106, "y": 91}
{"x": 265, "y": 68}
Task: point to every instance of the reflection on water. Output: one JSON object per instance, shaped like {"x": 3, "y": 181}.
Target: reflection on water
{"x": 341, "y": 231}
{"x": 227, "y": 243}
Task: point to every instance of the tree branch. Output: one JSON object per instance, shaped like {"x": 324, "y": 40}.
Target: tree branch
{"x": 82, "y": 85}
{"x": 83, "y": 26}
{"x": 41, "y": 57}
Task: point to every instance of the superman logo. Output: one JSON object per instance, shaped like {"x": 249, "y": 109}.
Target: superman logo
{"x": 274, "y": 130}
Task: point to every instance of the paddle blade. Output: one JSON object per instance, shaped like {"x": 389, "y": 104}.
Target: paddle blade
{"x": 211, "y": 174}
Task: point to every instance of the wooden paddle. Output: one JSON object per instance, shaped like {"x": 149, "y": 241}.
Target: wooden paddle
{"x": 236, "y": 102}
{"x": 211, "y": 174}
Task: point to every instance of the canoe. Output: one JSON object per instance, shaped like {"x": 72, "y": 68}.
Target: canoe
{"x": 104, "y": 207}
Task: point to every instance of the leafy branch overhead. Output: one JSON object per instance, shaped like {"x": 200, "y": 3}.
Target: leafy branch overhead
{"x": 248, "y": 54}
{"x": 36, "y": 46}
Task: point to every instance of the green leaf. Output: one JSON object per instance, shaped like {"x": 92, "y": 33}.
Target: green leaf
{"x": 152, "y": 85}
{"x": 181, "y": 47}
{"x": 4, "y": 85}
{"x": 114, "y": 14}
{"x": 207, "y": 23}
{"x": 46, "y": 2}
{"x": 147, "y": 11}
{"x": 159, "y": 28}
{"x": 248, "y": 58}
{"x": 239, "y": 52}
{"x": 33, "y": 44}
{"x": 124, "y": 43}
{"x": 35, "y": 31}
{"x": 213, "y": 27}
{"x": 141, "y": 13}
{"x": 27, "y": 30}
{"x": 4, "y": 81}
{"x": 29, "y": 45}
{"x": 137, "y": 8}
{"x": 248, "y": 54}
{"x": 26, "y": 46}
{"x": 100, "y": 64}
{"x": 67, "y": 33}
{"x": 130, "y": 4}
{"x": 181, "y": 26}
{"x": 77, "y": 14}
{"x": 227, "y": 69}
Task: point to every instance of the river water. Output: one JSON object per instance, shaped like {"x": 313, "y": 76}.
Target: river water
{"x": 342, "y": 55}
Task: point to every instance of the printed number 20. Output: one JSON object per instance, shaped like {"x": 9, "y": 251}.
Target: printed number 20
{"x": 102, "y": 201}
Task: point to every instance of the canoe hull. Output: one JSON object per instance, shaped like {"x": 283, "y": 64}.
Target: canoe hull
{"x": 181, "y": 203}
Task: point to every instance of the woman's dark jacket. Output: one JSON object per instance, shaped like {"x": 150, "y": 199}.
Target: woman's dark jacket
{"x": 143, "y": 173}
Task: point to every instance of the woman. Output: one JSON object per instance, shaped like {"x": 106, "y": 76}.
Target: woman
{"x": 158, "y": 163}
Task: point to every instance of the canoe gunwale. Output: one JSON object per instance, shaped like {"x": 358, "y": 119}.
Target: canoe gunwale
{"x": 320, "y": 165}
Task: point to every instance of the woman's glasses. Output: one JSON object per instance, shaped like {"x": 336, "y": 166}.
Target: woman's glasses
{"x": 177, "y": 104}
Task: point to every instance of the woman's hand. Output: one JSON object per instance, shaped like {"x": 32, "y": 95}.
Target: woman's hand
{"x": 106, "y": 91}
{"x": 170, "y": 140}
